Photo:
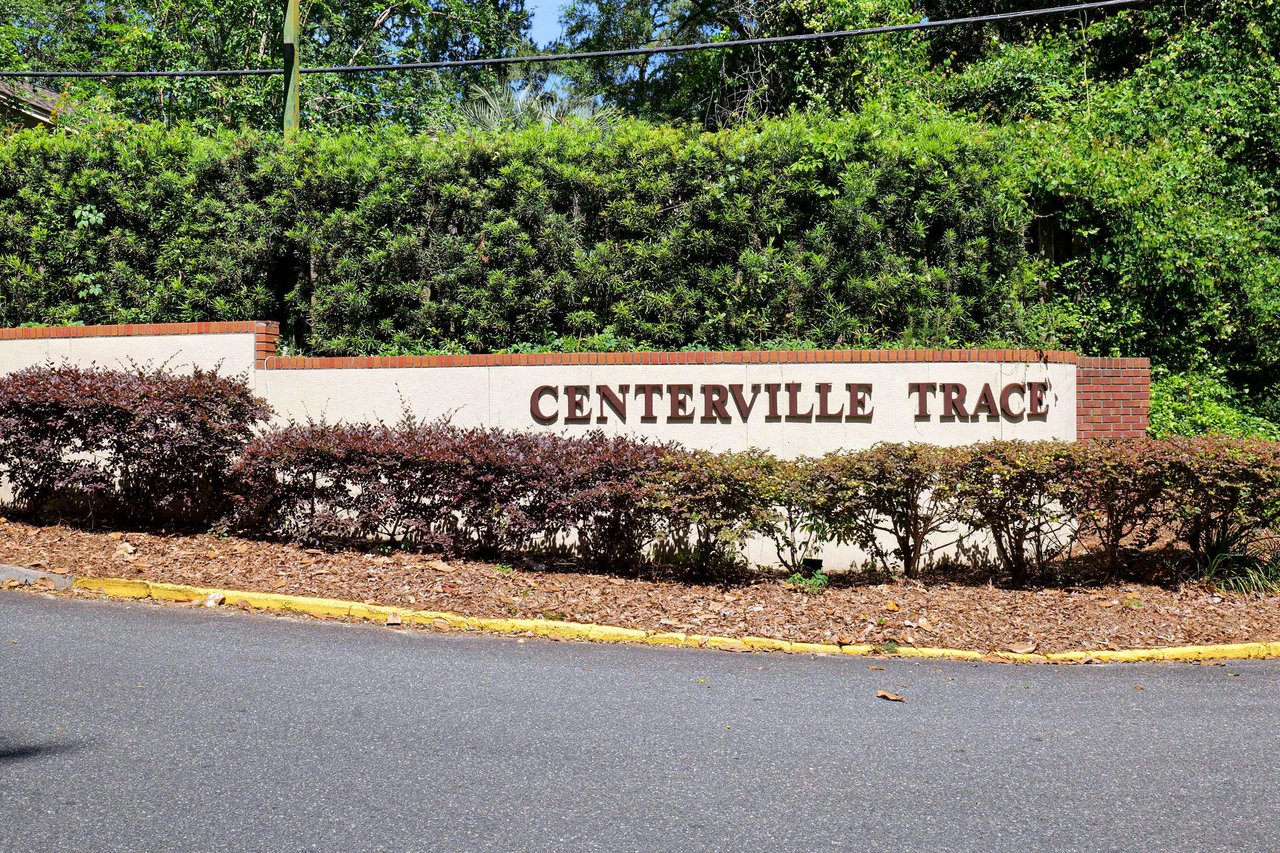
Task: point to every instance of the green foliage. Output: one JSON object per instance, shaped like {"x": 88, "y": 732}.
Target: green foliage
{"x": 795, "y": 523}
{"x": 1014, "y": 491}
{"x": 1222, "y": 493}
{"x": 711, "y": 503}
{"x": 813, "y": 584}
{"x": 1151, "y": 144}
{"x": 1144, "y": 142}
{"x": 1114, "y": 491}
{"x": 903, "y": 491}
{"x": 1249, "y": 574}
{"x": 866, "y": 230}
{"x": 1191, "y": 404}
{"x": 715, "y": 88}
{"x": 219, "y": 34}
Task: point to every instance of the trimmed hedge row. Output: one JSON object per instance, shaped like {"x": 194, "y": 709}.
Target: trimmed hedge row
{"x": 149, "y": 447}
{"x": 139, "y": 446}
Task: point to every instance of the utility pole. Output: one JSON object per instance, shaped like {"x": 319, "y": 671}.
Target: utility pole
{"x": 292, "y": 113}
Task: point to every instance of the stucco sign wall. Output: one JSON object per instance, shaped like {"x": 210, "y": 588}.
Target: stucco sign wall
{"x": 790, "y": 402}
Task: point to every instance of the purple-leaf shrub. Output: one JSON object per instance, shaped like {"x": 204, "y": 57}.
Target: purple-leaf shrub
{"x": 142, "y": 446}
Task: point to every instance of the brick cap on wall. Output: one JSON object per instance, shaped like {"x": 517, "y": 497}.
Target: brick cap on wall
{"x": 268, "y": 334}
{"x": 675, "y": 358}
{"x": 234, "y": 327}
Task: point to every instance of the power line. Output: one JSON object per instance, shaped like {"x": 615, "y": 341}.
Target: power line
{"x": 715, "y": 45}
{"x": 592, "y": 54}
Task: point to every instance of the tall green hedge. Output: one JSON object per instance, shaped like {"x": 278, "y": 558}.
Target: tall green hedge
{"x": 896, "y": 225}
{"x": 860, "y": 230}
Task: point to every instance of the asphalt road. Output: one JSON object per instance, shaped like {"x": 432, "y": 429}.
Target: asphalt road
{"x": 143, "y": 727}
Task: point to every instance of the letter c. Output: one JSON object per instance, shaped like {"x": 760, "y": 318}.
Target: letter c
{"x": 536, "y": 410}
{"x": 1006, "y": 407}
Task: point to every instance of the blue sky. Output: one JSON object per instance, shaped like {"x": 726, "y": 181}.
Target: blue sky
{"x": 546, "y": 19}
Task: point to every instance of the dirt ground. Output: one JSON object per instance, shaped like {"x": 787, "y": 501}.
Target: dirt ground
{"x": 977, "y": 616}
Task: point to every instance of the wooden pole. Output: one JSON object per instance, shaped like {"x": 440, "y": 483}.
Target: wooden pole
{"x": 292, "y": 110}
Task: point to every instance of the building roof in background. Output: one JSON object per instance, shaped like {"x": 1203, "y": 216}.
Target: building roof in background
{"x": 31, "y": 105}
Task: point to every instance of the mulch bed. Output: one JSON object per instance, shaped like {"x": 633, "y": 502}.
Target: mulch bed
{"x": 975, "y": 616}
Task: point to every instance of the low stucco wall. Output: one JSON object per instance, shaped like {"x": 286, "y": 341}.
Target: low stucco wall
{"x": 711, "y": 417}
{"x": 229, "y": 347}
{"x": 791, "y": 403}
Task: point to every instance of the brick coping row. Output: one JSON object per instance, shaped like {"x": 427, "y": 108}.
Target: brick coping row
{"x": 125, "y": 330}
{"x": 554, "y": 359}
{"x": 267, "y": 334}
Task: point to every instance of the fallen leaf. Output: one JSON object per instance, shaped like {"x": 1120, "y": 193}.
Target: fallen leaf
{"x": 394, "y": 619}
{"x": 214, "y": 599}
{"x": 875, "y": 666}
{"x": 47, "y": 583}
{"x": 1023, "y": 648}
{"x": 925, "y": 624}
{"x": 890, "y": 695}
{"x": 891, "y": 605}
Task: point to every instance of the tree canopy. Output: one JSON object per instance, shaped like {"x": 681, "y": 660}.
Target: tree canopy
{"x": 140, "y": 35}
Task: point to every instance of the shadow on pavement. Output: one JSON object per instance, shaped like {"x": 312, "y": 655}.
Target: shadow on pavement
{"x": 11, "y": 751}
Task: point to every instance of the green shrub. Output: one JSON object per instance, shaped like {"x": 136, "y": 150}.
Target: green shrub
{"x": 710, "y": 503}
{"x": 152, "y": 448}
{"x": 1012, "y": 491}
{"x": 793, "y": 518}
{"x": 1193, "y": 404}
{"x": 1115, "y": 490}
{"x": 878, "y": 229}
{"x": 903, "y": 490}
{"x": 1222, "y": 493}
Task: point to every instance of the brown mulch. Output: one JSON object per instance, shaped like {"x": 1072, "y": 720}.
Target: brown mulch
{"x": 959, "y": 616}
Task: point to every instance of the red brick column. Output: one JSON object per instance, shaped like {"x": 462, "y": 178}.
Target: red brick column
{"x": 266, "y": 341}
{"x": 1113, "y": 397}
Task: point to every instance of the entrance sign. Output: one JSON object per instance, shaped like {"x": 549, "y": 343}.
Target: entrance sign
{"x": 780, "y": 402}
{"x": 790, "y": 402}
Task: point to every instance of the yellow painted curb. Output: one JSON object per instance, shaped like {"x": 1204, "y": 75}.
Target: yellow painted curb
{"x": 558, "y": 630}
